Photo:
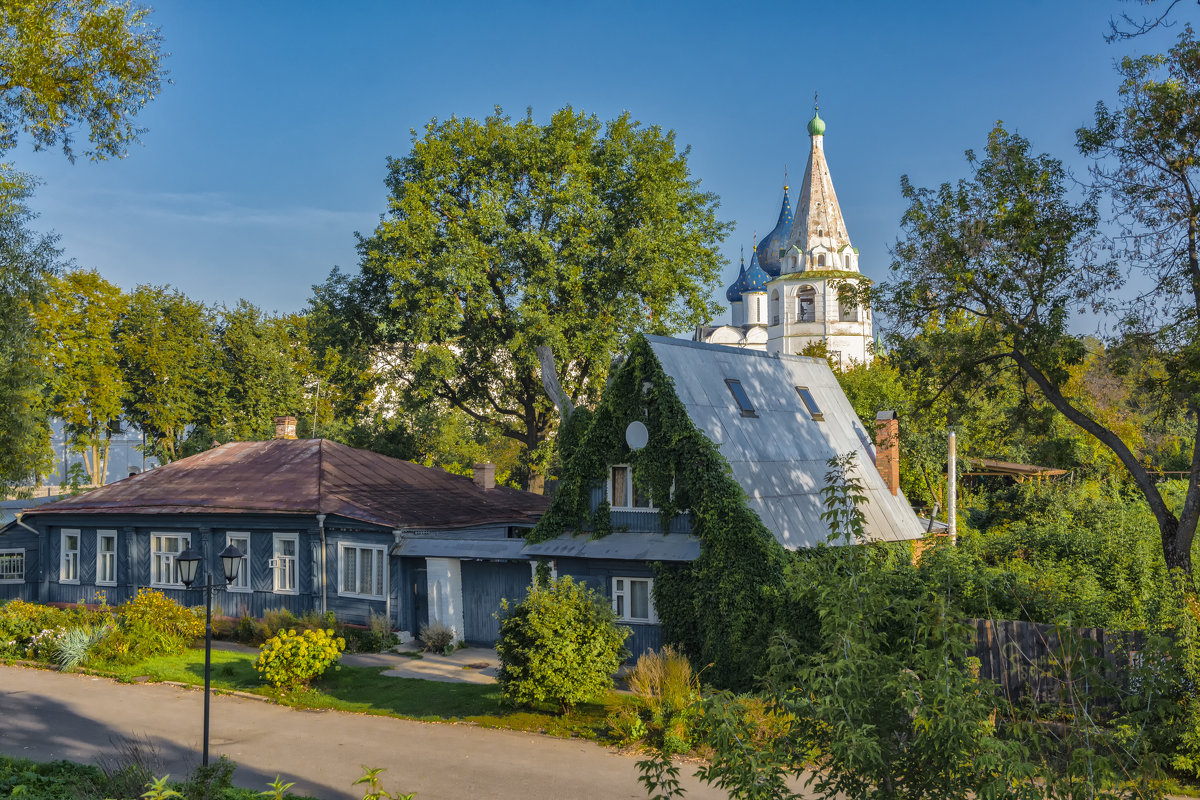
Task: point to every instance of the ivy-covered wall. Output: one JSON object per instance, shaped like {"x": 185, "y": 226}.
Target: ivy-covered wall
{"x": 720, "y": 608}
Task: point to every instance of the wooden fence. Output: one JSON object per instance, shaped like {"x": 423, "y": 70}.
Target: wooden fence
{"x": 1047, "y": 663}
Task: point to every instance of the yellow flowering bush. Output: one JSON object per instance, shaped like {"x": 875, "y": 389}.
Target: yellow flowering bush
{"x": 290, "y": 661}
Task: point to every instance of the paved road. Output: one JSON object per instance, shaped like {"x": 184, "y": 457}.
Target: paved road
{"x": 46, "y": 715}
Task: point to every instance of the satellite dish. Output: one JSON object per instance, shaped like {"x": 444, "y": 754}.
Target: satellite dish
{"x": 636, "y": 435}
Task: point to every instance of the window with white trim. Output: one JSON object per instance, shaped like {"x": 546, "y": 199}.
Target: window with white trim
{"x": 242, "y": 542}
{"x": 361, "y": 570}
{"x": 106, "y": 558}
{"x": 283, "y": 563}
{"x": 633, "y": 599}
{"x": 68, "y": 569}
{"x": 623, "y": 493}
{"x": 164, "y": 547}
{"x": 12, "y": 566}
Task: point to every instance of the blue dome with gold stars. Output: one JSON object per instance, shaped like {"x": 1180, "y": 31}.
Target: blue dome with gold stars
{"x": 756, "y": 276}
{"x": 734, "y": 293}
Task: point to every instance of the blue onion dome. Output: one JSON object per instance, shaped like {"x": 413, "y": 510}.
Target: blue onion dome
{"x": 734, "y": 293}
{"x": 770, "y": 249}
{"x": 756, "y": 276}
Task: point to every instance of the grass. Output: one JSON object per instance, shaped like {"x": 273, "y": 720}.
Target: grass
{"x": 365, "y": 690}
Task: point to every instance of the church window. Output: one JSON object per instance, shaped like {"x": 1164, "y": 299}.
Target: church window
{"x": 805, "y": 304}
{"x": 849, "y": 310}
{"x": 821, "y": 260}
{"x": 775, "y": 307}
{"x": 741, "y": 398}
{"x": 847, "y": 261}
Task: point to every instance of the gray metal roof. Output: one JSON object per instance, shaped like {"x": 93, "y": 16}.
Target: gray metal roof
{"x": 779, "y": 456}
{"x": 620, "y": 545}
{"x": 430, "y": 547}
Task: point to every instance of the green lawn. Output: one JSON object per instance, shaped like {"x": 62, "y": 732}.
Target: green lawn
{"x": 365, "y": 690}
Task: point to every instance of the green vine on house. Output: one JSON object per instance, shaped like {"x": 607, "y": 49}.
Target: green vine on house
{"x": 722, "y": 607}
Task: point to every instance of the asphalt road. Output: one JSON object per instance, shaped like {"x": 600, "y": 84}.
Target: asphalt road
{"x": 46, "y": 715}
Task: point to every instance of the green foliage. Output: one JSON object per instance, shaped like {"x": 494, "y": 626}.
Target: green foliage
{"x": 375, "y": 790}
{"x": 164, "y": 340}
{"x": 75, "y": 646}
{"x": 560, "y": 645}
{"x": 503, "y": 235}
{"x": 721, "y": 608}
{"x": 290, "y": 661}
{"x": 86, "y": 389}
{"x": 27, "y": 259}
{"x": 669, "y": 689}
{"x": 71, "y": 63}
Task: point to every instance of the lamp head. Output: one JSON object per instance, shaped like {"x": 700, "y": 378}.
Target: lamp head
{"x": 188, "y": 562}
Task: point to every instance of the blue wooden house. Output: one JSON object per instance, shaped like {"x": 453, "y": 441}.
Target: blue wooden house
{"x": 775, "y": 421}
{"x": 324, "y": 527}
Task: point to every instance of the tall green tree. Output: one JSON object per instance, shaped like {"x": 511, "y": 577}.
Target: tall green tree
{"x": 1010, "y": 251}
{"x": 165, "y": 341}
{"x": 252, "y": 377}
{"x": 27, "y": 259}
{"x": 76, "y": 320}
{"x": 76, "y": 64}
{"x": 504, "y": 235}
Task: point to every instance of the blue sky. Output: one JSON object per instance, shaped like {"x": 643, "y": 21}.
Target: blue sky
{"x": 267, "y": 152}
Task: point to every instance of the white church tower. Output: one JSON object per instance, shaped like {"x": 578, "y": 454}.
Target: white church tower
{"x": 808, "y": 258}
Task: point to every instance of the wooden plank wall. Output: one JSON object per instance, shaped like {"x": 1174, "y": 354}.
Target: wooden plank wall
{"x": 1040, "y": 663}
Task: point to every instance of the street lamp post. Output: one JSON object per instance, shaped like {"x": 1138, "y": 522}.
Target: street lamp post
{"x": 188, "y": 562}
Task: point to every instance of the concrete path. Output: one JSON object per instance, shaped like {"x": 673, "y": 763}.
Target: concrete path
{"x": 468, "y": 665}
{"x": 46, "y": 715}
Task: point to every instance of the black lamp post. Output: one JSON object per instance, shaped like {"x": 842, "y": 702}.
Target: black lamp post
{"x": 187, "y": 563}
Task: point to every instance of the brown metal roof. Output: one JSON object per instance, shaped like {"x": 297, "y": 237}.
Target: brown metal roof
{"x": 307, "y": 476}
{"x": 990, "y": 467}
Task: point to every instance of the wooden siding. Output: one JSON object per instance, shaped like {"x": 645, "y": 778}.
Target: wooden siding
{"x": 644, "y": 639}
{"x": 21, "y": 539}
{"x": 640, "y": 521}
{"x": 484, "y": 584}
{"x": 598, "y": 575}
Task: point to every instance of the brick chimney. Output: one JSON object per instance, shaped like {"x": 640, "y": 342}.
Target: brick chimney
{"x": 285, "y": 427}
{"x": 887, "y": 449}
{"x": 485, "y": 475}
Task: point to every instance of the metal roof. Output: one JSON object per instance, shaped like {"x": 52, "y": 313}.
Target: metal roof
{"x": 307, "y": 476}
{"x": 779, "y": 455}
{"x": 621, "y": 545}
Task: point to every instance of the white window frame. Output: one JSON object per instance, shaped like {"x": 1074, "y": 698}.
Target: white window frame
{"x": 280, "y": 568}
{"x": 608, "y": 488}
{"x": 162, "y": 558}
{"x": 622, "y": 595}
{"x": 106, "y": 560}
{"x": 243, "y": 582}
{"x": 68, "y": 559}
{"x": 351, "y": 550}
{"x": 7, "y": 558}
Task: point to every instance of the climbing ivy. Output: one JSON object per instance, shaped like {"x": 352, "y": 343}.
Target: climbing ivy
{"x": 720, "y": 608}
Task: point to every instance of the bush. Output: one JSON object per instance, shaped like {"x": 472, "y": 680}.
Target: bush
{"x": 30, "y": 630}
{"x": 436, "y": 637}
{"x": 289, "y": 661}
{"x": 670, "y": 692}
{"x": 75, "y": 645}
{"x": 561, "y": 644}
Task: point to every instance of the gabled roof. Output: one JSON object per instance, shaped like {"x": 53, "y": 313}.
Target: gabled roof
{"x": 307, "y": 476}
{"x": 779, "y": 455}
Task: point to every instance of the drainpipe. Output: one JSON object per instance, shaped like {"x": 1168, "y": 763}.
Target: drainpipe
{"x": 398, "y": 537}
{"x": 952, "y": 489}
{"x": 324, "y": 578}
{"x": 34, "y": 531}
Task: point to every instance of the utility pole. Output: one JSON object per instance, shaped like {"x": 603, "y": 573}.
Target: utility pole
{"x": 952, "y": 488}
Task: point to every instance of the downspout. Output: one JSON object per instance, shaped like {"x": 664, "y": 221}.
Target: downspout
{"x": 34, "y": 531}
{"x": 324, "y": 578}
{"x": 398, "y": 537}
{"x": 44, "y": 583}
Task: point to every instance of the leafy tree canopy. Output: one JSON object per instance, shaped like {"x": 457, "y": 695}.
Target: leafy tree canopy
{"x": 69, "y": 64}
{"x": 501, "y": 236}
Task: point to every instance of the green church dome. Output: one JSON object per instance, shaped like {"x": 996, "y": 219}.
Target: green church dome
{"x": 816, "y": 125}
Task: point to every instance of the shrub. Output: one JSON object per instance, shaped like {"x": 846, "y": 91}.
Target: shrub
{"x": 24, "y": 627}
{"x": 291, "y": 660}
{"x": 436, "y": 637}
{"x": 76, "y": 644}
{"x": 278, "y": 620}
{"x": 670, "y": 691}
{"x": 561, "y": 644}
{"x": 251, "y": 631}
